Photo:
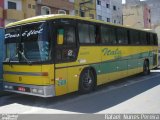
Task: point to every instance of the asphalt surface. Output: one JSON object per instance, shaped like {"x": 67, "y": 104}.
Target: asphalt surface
{"x": 136, "y": 94}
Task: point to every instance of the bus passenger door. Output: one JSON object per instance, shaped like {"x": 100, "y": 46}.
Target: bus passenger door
{"x": 66, "y": 53}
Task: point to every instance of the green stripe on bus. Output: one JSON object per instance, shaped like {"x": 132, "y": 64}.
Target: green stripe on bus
{"x": 123, "y": 63}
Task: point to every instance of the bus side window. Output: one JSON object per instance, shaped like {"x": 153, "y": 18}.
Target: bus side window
{"x": 86, "y": 33}
{"x": 122, "y": 36}
{"x": 108, "y": 35}
{"x": 155, "y": 39}
{"x": 97, "y": 34}
{"x": 60, "y": 36}
{"x": 143, "y": 38}
{"x": 151, "y": 39}
{"x": 134, "y": 37}
{"x": 70, "y": 38}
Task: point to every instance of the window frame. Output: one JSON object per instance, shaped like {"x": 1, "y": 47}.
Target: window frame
{"x": 13, "y": 3}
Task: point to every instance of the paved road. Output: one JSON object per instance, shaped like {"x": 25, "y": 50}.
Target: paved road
{"x": 137, "y": 94}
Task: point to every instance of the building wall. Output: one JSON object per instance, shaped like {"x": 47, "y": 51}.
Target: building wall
{"x": 147, "y": 17}
{"x": 137, "y": 16}
{"x": 103, "y": 11}
{"x": 117, "y": 14}
{"x": 157, "y": 30}
{"x": 18, "y": 2}
{"x": 89, "y": 9}
{"x": 133, "y": 2}
{"x": 29, "y": 7}
{"x": 24, "y": 9}
{"x": 55, "y": 5}
{"x": 1, "y": 13}
{"x": 155, "y": 11}
{"x": 11, "y": 15}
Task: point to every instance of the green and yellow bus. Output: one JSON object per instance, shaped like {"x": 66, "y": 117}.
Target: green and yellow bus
{"x": 54, "y": 55}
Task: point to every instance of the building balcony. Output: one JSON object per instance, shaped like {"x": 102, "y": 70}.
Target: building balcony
{"x": 13, "y": 14}
{"x": 1, "y": 12}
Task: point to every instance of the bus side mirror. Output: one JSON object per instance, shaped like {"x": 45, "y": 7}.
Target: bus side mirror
{"x": 60, "y": 36}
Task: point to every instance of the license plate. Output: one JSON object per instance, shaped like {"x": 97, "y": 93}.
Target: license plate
{"x": 21, "y": 89}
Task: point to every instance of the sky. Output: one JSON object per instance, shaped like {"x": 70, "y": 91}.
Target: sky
{"x": 123, "y": 1}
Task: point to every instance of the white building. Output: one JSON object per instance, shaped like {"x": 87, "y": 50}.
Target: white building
{"x": 109, "y": 11}
{"x": 103, "y": 10}
{"x": 116, "y": 11}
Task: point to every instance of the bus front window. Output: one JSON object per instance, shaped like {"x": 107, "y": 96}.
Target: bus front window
{"x": 32, "y": 43}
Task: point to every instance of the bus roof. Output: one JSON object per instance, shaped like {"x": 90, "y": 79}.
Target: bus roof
{"x": 56, "y": 16}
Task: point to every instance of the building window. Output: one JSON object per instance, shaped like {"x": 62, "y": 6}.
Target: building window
{"x": 91, "y": 16}
{"x": 149, "y": 11}
{"x": 61, "y": 12}
{"x": 114, "y": 8}
{"x": 108, "y": 19}
{"x": 149, "y": 20}
{"x": 45, "y": 10}
{"x": 91, "y": 1}
{"x": 98, "y": 2}
{"x": 114, "y": 21}
{"x": 76, "y": 12}
{"x": 107, "y": 5}
{"x": 33, "y": 7}
{"x": 29, "y": 5}
{"x": 12, "y": 5}
{"x": 99, "y": 17}
{"x": 82, "y": 14}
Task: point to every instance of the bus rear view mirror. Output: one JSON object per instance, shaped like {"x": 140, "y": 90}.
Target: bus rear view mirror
{"x": 60, "y": 37}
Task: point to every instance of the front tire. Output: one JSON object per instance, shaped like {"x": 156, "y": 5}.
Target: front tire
{"x": 86, "y": 82}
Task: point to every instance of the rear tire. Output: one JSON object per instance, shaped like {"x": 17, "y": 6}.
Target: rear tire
{"x": 146, "y": 70}
{"x": 87, "y": 81}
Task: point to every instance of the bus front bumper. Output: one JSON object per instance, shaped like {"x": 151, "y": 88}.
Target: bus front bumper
{"x": 41, "y": 91}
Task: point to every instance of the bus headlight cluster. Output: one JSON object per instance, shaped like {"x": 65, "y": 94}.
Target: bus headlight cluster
{"x": 8, "y": 87}
{"x": 37, "y": 91}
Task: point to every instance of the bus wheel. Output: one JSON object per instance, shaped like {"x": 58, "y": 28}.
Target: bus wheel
{"x": 87, "y": 80}
{"x": 146, "y": 70}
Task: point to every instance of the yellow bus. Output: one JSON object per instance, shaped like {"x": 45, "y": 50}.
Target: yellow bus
{"x": 54, "y": 55}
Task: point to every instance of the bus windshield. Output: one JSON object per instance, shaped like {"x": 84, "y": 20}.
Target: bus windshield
{"x": 27, "y": 43}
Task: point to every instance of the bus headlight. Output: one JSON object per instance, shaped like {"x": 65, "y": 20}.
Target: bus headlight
{"x": 40, "y": 91}
{"x": 37, "y": 91}
{"x": 34, "y": 90}
{"x": 6, "y": 86}
{"x": 10, "y": 87}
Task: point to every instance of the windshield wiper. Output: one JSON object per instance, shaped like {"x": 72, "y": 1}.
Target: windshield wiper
{"x": 22, "y": 54}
